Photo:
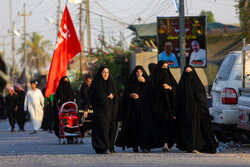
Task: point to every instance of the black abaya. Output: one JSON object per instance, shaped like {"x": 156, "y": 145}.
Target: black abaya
{"x": 166, "y": 123}
{"x": 105, "y": 112}
{"x": 194, "y": 123}
{"x": 11, "y": 106}
{"x": 20, "y": 112}
{"x": 64, "y": 93}
{"x": 138, "y": 126}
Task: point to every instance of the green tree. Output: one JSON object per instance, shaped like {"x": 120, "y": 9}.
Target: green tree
{"x": 116, "y": 58}
{"x": 243, "y": 9}
{"x": 209, "y": 14}
{"x": 37, "y": 52}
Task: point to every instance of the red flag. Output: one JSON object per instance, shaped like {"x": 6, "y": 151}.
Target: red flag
{"x": 67, "y": 46}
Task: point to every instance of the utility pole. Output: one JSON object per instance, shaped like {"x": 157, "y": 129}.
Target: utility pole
{"x": 12, "y": 31}
{"x": 58, "y": 16}
{"x": 182, "y": 35}
{"x": 88, "y": 27}
{"x": 24, "y": 14}
{"x": 82, "y": 54}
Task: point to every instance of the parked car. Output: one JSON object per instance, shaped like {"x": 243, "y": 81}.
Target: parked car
{"x": 244, "y": 98}
{"x": 224, "y": 110}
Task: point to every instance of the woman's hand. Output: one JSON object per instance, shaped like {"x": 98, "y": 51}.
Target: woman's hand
{"x": 166, "y": 86}
{"x": 110, "y": 96}
{"x": 134, "y": 96}
{"x": 141, "y": 79}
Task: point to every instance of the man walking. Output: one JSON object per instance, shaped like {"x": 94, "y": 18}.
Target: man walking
{"x": 34, "y": 103}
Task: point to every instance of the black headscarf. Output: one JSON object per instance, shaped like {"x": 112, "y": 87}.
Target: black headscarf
{"x": 151, "y": 68}
{"x": 195, "y": 130}
{"x": 164, "y": 76}
{"x": 64, "y": 92}
{"x": 100, "y": 88}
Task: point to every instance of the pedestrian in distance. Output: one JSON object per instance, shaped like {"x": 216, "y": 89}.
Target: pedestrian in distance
{"x": 20, "y": 112}
{"x": 11, "y": 107}
{"x": 195, "y": 132}
{"x": 104, "y": 100}
{"x": 137, "y": 113}
{"x": 34, "y": 103}
{"x": 3, "y": 115}
{"x": 84, "y": 90}
{"x": 166, "y": 84}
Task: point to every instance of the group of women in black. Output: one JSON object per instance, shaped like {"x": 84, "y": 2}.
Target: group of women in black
{"x": 155, "y": 112}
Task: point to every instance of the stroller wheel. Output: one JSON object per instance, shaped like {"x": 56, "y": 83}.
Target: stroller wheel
{"x": 59, "y": 141}
{"x": 64, "y": 141}
{"x": 81, "y": 141}
{"x": 70, "y": 140}
{"x": 76, "y": 141}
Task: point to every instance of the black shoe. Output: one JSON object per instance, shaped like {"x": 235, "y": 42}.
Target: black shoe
{"x": 99, "y": 151}
{"x": 145, "y": 150}
{"x": 12, "y": 130}
{"x": 135, "y": 149}
{"x": 34, "y": 132}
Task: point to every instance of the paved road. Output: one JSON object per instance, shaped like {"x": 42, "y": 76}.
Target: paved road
{"x": 20, "y": 149}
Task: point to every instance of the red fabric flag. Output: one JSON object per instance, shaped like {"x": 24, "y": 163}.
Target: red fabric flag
{"x": 67, "y": 46}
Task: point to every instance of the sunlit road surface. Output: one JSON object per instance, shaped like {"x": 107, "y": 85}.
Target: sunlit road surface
{"x": 21, "y": 149}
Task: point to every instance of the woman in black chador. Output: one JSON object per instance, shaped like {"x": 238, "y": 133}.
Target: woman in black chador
{"x": 64, "y": 93}
{"x": 137, "y": 113}
{"x": 104, "y": 100}
{"x": 195, "y": 132}
{"x": 166, "y": 118}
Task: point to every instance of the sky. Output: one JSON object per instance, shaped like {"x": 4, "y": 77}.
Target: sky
{"x": 115, "y": 14}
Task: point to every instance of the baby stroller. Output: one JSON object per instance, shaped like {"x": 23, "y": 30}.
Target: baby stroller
{"x": 69, "y": 124}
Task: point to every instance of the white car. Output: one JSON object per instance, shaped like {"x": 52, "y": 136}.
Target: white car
{"x": 224, "y": 94}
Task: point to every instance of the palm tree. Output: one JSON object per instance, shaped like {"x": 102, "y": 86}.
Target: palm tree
{"x": 37, "y": 52}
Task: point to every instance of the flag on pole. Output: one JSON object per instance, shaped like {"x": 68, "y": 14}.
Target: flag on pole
{"x": 74, "y": 1}
{"x": 67, "y": 46}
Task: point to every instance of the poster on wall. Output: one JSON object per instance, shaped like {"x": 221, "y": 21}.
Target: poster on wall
{"x": 195, "y": 37}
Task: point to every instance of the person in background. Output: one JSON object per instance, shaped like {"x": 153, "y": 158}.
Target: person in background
{"x": 11, "y": 107}
{"x": 20, "y": 112}
{"x": 168, "y": 55}
{"x": 34, "y": 103}
{"x": 84, "y": 91}
{"x": 151, "y": 68}
{"x": 3, "y": 115}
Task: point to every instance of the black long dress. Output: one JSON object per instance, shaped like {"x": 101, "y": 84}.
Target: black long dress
{"x": 167, "y": 125}
{"x": 105, "y": 112}
{"x": 86, "y": 105}
{"x": 194, "y": 123}
{"x": 3, "y": 114}
{"x": 20, "y": 112}
{"x": 64, "y": 93}
{"x": 138, "y": 123}
{"x": 11, "y": 104}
